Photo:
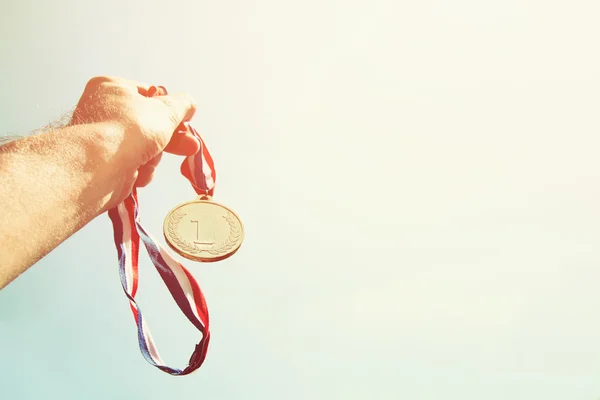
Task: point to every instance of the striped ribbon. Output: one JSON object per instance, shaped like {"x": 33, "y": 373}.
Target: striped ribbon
{"x": 199, "y": 170}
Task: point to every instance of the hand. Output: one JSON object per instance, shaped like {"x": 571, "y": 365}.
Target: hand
{"x": 136, "y": 128}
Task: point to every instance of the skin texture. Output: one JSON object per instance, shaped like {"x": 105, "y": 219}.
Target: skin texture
{"x": 54, "y": 183}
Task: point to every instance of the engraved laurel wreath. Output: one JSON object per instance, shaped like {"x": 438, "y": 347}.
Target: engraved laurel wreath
{"x": 235, "y": 230}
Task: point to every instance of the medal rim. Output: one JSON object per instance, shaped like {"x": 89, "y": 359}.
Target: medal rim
{"x": 200, "y": 258}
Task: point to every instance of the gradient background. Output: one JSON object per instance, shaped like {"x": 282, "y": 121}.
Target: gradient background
{"x": 419, "y": 182}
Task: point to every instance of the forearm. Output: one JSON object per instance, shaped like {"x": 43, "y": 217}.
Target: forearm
{"x": 51, "y": 185}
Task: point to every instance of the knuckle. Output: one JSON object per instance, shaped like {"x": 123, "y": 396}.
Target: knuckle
{"x": 99, "y": 80}
{"x": 174, "y": 119}
{"x": 168, "y": 101}
{"x": 187, "y": 99}
{"x": 193, "y": 103}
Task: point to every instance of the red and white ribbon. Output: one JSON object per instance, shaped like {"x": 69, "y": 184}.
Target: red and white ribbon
{"x": 199, "y": 170}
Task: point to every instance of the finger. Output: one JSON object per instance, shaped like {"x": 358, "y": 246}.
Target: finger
{"x": 146, "y": 171}
{"x": 141, "y": 87}
{"x": 156, "y": 91}
{"x": 144, "y": 177}
{"x": 182, "y": 107}
{"x": 183, "y": 144}
{"x": 153, "y": 163}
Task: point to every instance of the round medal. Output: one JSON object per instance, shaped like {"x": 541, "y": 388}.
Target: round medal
{"x": 202, "y": 230}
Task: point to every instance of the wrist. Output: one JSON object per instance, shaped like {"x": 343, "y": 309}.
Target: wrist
{"x": 106, "y": 166}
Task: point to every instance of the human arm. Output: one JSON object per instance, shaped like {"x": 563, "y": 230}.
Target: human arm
{"x": 54, "y": 183}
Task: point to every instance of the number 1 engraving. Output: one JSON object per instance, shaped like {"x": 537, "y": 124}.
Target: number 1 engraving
{"x": 197, "y": 241}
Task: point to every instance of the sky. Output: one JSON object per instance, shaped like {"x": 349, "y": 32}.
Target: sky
{"x": 418, "y": 181}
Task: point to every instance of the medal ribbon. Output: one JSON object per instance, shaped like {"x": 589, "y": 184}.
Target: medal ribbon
{"x": 199, "y": 170}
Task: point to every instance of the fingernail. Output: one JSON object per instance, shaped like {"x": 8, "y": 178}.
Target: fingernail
{"x": 152, "y": 91}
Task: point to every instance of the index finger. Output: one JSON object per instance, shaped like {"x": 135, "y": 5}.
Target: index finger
{"x": 182, "y": 107}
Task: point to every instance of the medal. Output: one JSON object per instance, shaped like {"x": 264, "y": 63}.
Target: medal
{"x": 200, "y": 230}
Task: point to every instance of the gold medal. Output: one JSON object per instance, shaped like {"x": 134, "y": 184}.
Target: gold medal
{"x": 202, "y": 230}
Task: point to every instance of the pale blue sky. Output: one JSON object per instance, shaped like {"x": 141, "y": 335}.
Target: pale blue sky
{"x": 419, "y": 183}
